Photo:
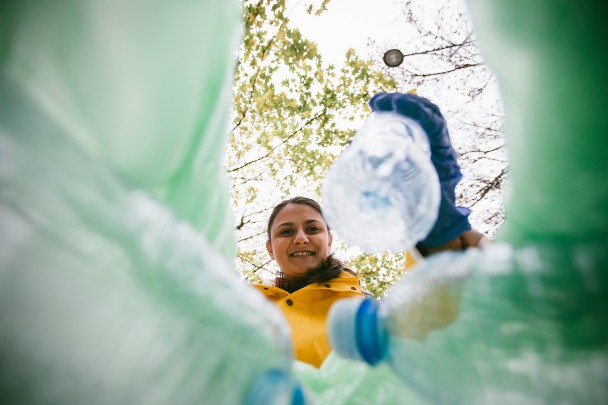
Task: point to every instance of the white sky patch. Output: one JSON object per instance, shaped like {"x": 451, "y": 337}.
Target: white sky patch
{"x": 349, "y": 24}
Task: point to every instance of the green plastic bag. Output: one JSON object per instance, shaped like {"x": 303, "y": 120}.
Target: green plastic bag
{"x": 116, "y": 243}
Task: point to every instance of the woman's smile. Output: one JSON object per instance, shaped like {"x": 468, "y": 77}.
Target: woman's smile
{"x": 302, "y": 254}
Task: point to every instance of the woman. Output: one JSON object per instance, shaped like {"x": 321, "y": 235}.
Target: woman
{"x": 311, "y": 279}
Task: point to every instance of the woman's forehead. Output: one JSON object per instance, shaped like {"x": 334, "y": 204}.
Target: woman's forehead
{"x": 297, "y": 214}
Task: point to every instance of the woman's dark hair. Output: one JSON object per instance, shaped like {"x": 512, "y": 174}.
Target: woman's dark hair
{"x": 329, "y": 269}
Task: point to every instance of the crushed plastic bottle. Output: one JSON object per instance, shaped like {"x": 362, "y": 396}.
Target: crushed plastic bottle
{"x": 385, "y": 184}
{"x": 451, "y": 329}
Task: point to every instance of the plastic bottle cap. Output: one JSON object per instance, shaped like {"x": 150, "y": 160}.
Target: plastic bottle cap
{"x": 356, "y": 332}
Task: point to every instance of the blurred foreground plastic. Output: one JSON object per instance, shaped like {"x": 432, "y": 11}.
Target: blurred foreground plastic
{"x": 345, "y": 382}
{"x": 116, "y": 278}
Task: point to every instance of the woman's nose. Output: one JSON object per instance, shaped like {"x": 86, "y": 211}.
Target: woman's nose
{"x": 301, "y": 237}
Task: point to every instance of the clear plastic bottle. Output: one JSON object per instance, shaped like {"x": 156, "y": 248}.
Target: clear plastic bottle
{"x": 382, "y": 193}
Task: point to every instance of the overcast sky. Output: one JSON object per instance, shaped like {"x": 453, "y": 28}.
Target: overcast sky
{"x": 349, "y": 24}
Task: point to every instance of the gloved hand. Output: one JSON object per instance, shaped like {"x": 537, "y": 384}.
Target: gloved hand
{"x": 452, "y": 221}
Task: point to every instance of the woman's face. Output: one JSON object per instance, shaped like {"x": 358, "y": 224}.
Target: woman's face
{"x": 299, "y": 240}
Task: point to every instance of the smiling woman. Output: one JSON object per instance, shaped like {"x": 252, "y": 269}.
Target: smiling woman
{"x": 311, "y": 279}
{"x": 298, "y": 239}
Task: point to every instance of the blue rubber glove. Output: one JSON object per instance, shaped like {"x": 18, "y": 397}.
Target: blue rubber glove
{"x": 452, "y": 221}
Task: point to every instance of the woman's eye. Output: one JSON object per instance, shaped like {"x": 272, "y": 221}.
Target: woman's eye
{"x": 314, "y": 229}
{"x": 285, "y": 232}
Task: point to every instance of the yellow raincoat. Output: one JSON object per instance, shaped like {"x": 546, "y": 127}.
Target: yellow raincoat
{"x": 306, "y": 311}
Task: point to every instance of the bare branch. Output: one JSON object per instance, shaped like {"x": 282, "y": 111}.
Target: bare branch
{"x": 441, "y": 48}
{"x": 251, "y": 236}
{"x": 255, "y": 266}
{"x": 482, "y": 151}
{"x": 492, "y": 184}
{"x": 456, "y": 68}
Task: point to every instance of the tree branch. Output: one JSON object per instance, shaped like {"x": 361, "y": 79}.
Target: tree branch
{"x": 283, "y": 142}
{"x": 251, "y": 236}
{"x": 256, "y": 266}
{"x": 456, "y": 68}
{"x": 483, "y": 151}
{"x": 494, "y": 183}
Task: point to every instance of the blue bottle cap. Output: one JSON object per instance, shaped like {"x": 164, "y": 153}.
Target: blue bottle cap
{"x": 356, "y": 332}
